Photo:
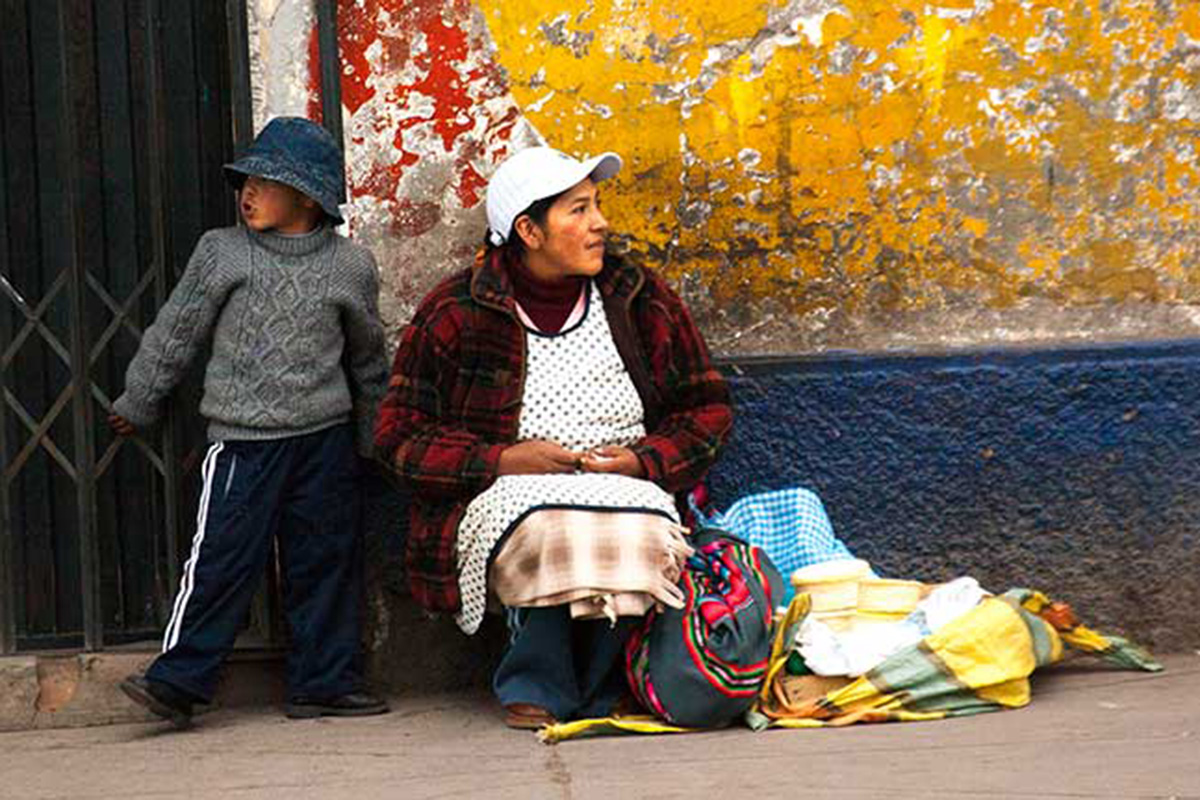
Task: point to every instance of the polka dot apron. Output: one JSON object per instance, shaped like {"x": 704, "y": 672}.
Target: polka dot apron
{"x": 579, "y": 394}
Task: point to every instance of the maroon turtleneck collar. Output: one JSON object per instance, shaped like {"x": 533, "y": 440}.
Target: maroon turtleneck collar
{"x": 547, "y": 304}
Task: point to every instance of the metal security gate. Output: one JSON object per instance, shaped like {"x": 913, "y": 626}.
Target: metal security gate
{"x": 117, "y": 115}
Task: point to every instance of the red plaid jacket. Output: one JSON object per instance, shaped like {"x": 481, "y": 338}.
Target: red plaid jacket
{"x": 454, "y": 400}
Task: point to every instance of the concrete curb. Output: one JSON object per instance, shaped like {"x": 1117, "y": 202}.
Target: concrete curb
{"x": 44, "y": 691}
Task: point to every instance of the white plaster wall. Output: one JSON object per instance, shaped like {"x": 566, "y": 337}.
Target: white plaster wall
{"x": 279, "y": 32}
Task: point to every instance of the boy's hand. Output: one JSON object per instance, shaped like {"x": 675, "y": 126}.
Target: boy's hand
{"x": 610, "y": 458}
{"x": 538, "y": 458}
{"x": 120, "y": 425}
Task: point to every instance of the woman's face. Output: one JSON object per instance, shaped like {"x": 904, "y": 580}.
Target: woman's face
{"x": 571, "y": 241}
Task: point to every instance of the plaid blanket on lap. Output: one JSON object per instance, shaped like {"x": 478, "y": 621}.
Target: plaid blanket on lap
{"x": 604, "y": 563}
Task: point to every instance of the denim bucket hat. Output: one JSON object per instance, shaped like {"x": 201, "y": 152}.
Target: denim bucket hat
{"x": 300, "y": 153}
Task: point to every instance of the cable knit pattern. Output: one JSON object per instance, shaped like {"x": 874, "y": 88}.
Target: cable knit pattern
{"x": 297, "y": 345}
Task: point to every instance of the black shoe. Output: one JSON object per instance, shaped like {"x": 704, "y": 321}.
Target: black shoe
{"x": 354, "y": 704}
{"x": 162, "y": 699}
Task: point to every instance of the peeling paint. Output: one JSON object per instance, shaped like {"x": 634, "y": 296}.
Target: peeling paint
{"x": 912, "y": 158}
{"x": 860, "y": 173}
{"x": 427, "y": 114}
{"x": 279, "y": 33}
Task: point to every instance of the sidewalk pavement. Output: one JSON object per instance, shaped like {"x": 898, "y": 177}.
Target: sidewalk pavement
{"x": 1090, "y": 732}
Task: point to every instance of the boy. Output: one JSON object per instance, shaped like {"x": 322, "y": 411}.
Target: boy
{"x": 290, "y": 308}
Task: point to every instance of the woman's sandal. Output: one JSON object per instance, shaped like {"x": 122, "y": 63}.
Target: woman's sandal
{"x": 628, "y": 706}
{"x": 527, "y": 717}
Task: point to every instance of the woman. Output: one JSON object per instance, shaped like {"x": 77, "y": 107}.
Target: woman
{"x": 548, "y": 376}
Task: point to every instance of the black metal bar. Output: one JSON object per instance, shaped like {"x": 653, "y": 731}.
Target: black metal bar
{"x": 126, "y": 579}
{"x": 27, "y": 44}
{"x": 331, "y": 68}
{"x": 156, "y": 157}
{"x": 239, "y": 73}
{"x": 8, "y": 587}
{"x": 214, "y": 73}
{"x": 182, "y": 111}
{"x": 72, "y": 231}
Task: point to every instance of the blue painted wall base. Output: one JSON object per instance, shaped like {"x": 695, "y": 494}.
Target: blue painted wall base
{"x": 1076, "y": 472}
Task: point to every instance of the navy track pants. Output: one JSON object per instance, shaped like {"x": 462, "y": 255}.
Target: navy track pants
{"x": 302, "y": 491}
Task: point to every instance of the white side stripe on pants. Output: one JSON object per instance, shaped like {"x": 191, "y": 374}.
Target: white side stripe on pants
{"x": 187, "y": 582}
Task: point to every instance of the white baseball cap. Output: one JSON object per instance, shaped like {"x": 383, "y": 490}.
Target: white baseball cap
{"x": 533, "y": 174}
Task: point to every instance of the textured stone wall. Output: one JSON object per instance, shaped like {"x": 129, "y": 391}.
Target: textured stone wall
{"x": 280, "y": 32}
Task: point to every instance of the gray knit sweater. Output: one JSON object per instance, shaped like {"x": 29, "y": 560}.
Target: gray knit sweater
{"x": 297, "y": 345}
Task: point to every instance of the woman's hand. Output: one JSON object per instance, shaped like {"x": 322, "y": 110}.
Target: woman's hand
{"x": 120, "y": 425}
{"x": 538, "y": 458}
{"x": 610, "y": 458}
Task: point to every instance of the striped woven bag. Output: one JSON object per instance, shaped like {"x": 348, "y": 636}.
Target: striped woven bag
{"x": 702, "y": 665}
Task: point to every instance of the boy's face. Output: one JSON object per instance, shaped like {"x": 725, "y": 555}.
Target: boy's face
{"x": 269, "y": 205}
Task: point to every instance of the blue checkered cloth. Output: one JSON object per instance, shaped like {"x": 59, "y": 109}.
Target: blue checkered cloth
{"x": 789, "y": 525}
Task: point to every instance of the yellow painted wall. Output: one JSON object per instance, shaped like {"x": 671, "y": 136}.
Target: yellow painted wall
{"x": 871, "y": 173}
